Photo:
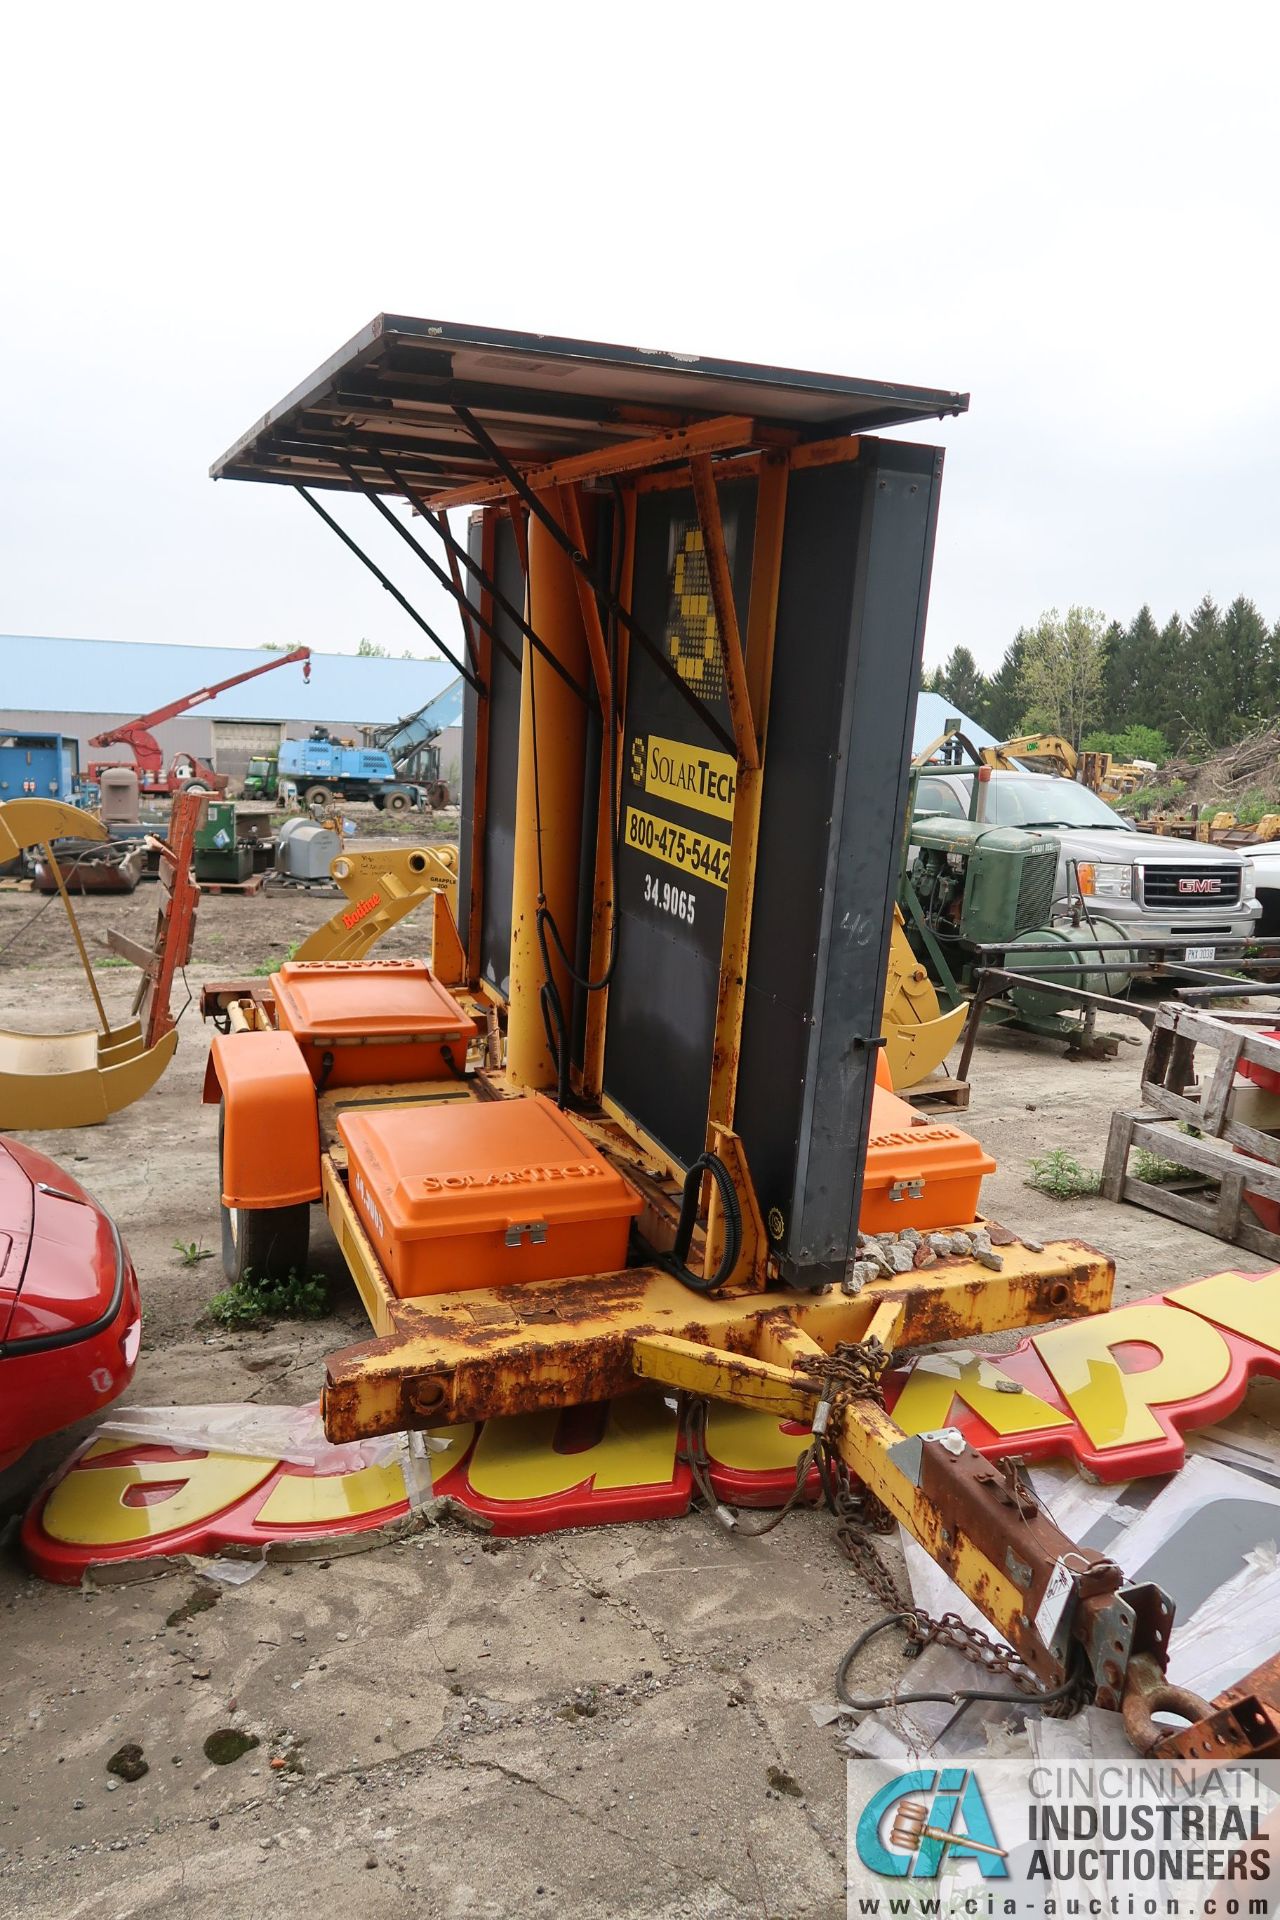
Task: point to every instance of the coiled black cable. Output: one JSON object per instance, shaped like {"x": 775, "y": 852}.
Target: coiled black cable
{"x": 675, "y": 1261}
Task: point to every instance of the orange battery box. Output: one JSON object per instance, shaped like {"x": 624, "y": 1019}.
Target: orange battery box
{"x": 484, "y": 1193}
{"x": 377, "y": 1020}
{"x": 922, "y": 1177}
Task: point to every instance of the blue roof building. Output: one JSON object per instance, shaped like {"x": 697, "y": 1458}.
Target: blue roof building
{"x": 83, "y": 687}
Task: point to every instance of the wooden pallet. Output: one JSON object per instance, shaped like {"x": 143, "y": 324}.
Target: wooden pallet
{"x": 940, "y": 1093}
{"x": 1175, "y": 1087}
{"x": 1211, "y": 1197}
{"x": 253, "y": 885}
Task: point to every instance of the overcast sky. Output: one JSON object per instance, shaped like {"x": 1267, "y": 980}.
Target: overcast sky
{"x": 1070, "y": 212}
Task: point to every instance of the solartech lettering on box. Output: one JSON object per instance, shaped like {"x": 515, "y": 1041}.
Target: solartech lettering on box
{"x": 508, "y": 1177}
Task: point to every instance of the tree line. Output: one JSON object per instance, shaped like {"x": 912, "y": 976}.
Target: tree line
{"x": 1143, "y": 690}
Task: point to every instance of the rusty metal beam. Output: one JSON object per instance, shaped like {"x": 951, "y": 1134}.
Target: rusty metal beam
{"x": 632, "y": 456}
{"x": 745, "y": 466}
{"x": 762, "y": 614}
{"x": 1243, "y": 1722}
{"x": 728, "y": 638}
{"x": 570, "y": 517}
{"x": 561, "y": 1343}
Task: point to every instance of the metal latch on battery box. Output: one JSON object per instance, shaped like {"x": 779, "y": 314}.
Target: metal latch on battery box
{"x": 906, "y": 1190}
{"x": 536, "y": 1230}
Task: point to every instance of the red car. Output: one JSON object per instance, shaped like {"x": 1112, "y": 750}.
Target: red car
{"x": 70, "y": 1312}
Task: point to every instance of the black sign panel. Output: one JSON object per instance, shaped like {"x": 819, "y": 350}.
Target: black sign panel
{"x": 854, "y": 587}
{"x": 677, "y": 812}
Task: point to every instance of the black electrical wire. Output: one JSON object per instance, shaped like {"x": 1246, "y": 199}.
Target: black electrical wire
{"x": 555, "y": 1024}
{"x": 676, "y": 1260}
{"x": 960, "y": 1697}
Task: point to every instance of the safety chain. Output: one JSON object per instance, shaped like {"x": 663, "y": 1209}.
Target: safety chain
{"x": 851, "y": 1367}
{"x": 860, "y": 1515}
{"x": 853, "y": 1370}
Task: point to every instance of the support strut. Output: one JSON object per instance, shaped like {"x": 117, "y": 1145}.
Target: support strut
{"x": 390, "y": 586}
{"x": 609, "y": 600}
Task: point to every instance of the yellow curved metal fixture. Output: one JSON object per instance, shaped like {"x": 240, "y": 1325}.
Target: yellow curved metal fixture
{"x": 382, "y": 887}
{"x": 918, "y": 1034}
{"x": 51, "y": 1080}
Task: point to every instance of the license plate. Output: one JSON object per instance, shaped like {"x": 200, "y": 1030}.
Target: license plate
{"x": 1202, "y": 953}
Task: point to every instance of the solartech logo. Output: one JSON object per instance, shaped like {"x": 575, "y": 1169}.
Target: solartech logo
{"x": 691, "y": 776}
{"x": 1027, "y": 1839}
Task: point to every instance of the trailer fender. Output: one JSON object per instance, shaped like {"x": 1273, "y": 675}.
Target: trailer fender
{"x": 270, "y": 1127}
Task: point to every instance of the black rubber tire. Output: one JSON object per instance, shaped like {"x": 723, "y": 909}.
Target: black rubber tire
{"x": 318, "y": 798}
{"x": 398, "y": 802}
{"x": 268, "y": 1243}
{"x": 379, "y": 802}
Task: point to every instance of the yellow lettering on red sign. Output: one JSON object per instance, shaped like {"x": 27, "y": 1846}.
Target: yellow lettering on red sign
{"x": 750, "y": 1441}
{"x": 1114, "y": 1406}
{"x": 937, "y": 1380}
{"x": 516, "y": 1458}
{"x": 89, "y": 1507}
{"x": 1244, "y": 1303}
{"x": 317, "y": 1500}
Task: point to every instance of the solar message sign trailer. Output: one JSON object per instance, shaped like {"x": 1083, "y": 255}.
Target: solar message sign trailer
{"x": 691, "y": 598}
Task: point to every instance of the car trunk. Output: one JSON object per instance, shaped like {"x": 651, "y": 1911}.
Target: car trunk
{"x": 61, "y": 1261}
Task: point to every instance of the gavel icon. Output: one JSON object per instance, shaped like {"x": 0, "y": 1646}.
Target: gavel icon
{"x": 910, "y": 1827}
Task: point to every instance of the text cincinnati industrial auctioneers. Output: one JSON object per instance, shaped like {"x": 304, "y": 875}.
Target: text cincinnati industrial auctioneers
{"x": 1004, "y": 1839}
{"x": 1124, "y": 1829}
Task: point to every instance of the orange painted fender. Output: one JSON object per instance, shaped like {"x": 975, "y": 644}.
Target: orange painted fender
{"x": 270, "y": 1127}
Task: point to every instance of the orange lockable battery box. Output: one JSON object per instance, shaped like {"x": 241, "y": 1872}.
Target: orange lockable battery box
{"x": 375, "y": 1021}
{"x": 922, "y": 1177}
{"x": 484, "y": 1193}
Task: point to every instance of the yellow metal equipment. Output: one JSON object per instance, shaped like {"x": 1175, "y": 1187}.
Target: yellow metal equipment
{"x": 918, "y": 1035}
{"x": 1109, "y": 778}
{"x": 50, "y": 1080}
{"x": 691, "y": 632}
{"x": 1221, "y": 828}
{"x": 382, "y": 887}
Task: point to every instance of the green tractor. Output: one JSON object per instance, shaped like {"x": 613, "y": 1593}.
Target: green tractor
{"x": 976, "y": 895}
{"x": 262, "y": 777}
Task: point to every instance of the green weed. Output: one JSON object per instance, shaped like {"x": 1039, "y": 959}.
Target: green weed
{"x": 192, "y": 1252}
{"x": 248, "y": 1301}
{"x": 1059, "y": 1173}
{"x": 1154, "y": 1169}
{"x": 266, "y": 967}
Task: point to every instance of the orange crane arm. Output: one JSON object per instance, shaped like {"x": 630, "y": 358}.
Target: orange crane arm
{"x": 136, "y": 733}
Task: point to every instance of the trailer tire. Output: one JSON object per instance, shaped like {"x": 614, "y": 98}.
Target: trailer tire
{"x": 267, "y": 1243}
{"x": 398, "y": 802}
{"x": 319, "y": 799}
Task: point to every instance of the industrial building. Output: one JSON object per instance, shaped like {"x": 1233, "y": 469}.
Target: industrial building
{"x": 80, "y": 688}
